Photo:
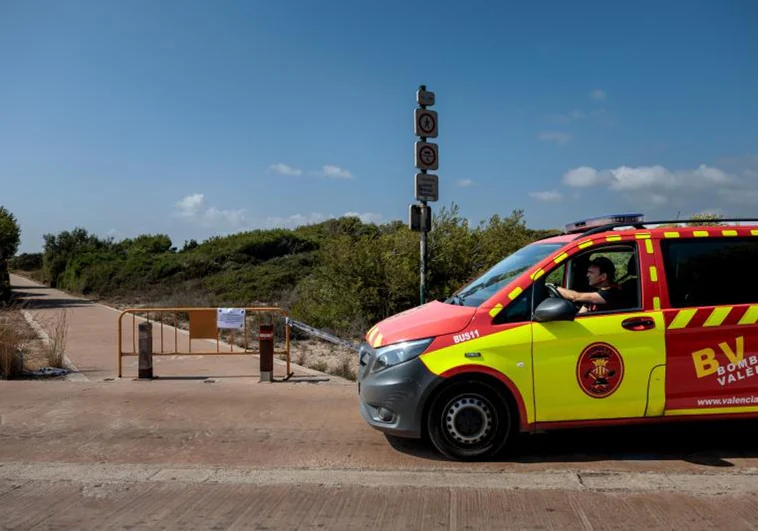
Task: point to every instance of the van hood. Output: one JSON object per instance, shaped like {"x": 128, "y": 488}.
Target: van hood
{"x": 428, "y": 320}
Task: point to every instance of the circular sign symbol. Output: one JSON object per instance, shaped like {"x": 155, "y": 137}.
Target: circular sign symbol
{"x": 426, "y": 123}
{"x": 427, "y": 155}
{"x": 599, "y": 370}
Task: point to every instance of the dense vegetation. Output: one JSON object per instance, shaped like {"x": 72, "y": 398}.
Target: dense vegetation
{"x": 341, "y": 274}
{"x": 10, "y": 237}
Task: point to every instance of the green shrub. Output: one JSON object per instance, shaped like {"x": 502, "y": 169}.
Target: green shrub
{"x": 341, "y": 275}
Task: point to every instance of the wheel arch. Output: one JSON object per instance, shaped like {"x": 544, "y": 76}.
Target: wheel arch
{"x": 486, "y": 375}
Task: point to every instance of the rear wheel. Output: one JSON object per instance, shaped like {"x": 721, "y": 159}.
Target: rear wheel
{"x": 470, "y": 420}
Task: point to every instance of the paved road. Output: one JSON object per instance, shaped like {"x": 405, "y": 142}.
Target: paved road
{"x": 237, "y": 453}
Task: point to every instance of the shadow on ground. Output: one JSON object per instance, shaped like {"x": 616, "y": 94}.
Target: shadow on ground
{"x": 25, "y": 299}
{"x": 707, "y": 443}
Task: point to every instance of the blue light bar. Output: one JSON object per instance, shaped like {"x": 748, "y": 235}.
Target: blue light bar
{"x": 586, "y": 224}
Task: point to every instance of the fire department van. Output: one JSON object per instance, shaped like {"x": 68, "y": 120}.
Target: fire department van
{"x": 508, "y": 352}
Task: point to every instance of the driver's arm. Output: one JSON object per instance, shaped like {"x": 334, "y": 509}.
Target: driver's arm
{"x": 575, "y": 296}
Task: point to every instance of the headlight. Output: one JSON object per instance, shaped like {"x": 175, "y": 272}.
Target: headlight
{"x": 398, "y": 353}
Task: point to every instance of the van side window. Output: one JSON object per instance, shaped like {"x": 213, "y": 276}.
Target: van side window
{"x": 625, "y": 260}
{"x": 518, "y": 311}
{"x": 557, "y": 275}
{"x": 711, "y": 272}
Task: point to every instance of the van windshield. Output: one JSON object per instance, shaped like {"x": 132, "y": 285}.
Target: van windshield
{"x": 484, "y": 287}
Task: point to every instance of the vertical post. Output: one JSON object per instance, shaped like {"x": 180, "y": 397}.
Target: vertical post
{"x": 145, "y": 351}
{"x": 422, "y": 286}
{"x": 266, "y": 346}
{"x": 287, "y": 346}
{"x": 425, "y": 127}
{"x": 422, "y": 280}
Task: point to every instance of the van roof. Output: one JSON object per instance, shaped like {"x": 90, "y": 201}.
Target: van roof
{"x": 655, "y": 228}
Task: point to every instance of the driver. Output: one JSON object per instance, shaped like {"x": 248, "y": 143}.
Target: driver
{"x": 601, "y": 275}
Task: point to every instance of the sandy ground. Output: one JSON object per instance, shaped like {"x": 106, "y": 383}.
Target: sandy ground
{"x": 208, "y": 446}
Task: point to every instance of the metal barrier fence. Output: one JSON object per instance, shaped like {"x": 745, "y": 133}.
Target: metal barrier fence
{"x": 230, "y": 326}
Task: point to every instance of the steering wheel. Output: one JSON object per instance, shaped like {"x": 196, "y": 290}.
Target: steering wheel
{"x": 553, "y": 291}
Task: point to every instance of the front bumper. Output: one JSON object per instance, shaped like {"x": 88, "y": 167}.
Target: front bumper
{"x": 392, "y": 401}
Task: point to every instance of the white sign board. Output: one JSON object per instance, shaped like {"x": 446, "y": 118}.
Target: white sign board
{"x": 231, "y": 318}
{"x": 427, "y": 187}
{"x": 427, "y": 156}
{"x": 425, "y": 123}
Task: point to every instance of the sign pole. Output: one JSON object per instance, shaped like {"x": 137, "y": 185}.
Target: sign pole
{"x": 422, "y": 284}
{"x": 427, "y": 157}
{"x": 422, "y": 287}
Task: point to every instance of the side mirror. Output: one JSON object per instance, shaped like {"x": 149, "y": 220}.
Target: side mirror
{"x": 554, "y": 309}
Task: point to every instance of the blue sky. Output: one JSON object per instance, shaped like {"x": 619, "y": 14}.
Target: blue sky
{"x": 200, "y": 118}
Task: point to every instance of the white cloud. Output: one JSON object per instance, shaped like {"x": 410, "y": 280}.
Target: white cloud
{"x": 235, "y": 218}
{"x": 746, "y": 166}
{"x": 581, "y": 177}
{"x": 658, "y": 199}
{"x": 573, "y": 116}
{"x": 555, "y": 136}
{"x": 464, "y": 183}
{"x": 625, "y": 178}
{"x": 653, "y": 187}
{"x": 284, "y": 169}
{"x": 598, "y": 95}
{"x": 192, "y": 209}
{"x": 739, "y": 196}
{"x": 296, "y": 220}
{"x": 335, "y": 172}
{"x": 190, "y": 205}
{"x": 549, "y": 196}
{"x": 366, "y": 217}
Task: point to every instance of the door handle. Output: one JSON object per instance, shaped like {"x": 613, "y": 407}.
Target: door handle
{"x": 638, "y": 323}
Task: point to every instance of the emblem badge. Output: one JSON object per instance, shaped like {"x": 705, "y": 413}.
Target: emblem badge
{"x": 600, "y": 370}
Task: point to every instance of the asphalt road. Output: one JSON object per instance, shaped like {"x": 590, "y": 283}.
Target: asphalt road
{"x": 231, "y": 453}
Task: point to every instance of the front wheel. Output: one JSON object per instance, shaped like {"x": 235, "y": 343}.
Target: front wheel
{"x": 469, "y": 421}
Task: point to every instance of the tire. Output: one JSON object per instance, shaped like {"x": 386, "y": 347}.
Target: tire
{"x": 470, "y": 421}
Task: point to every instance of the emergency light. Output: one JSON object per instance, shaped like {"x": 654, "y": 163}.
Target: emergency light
{"x": 585, "y": 224}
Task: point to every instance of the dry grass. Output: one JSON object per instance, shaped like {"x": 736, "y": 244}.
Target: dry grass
{"x": 325, "y": 357}
{"x": 11, "y": 347}
{"x": 57, "y": 331}
{"x": 20, "y": 348}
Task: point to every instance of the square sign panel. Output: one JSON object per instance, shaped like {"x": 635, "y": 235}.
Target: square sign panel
{"x": 427, "y": 187}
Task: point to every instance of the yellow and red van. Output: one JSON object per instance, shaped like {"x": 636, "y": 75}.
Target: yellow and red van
{"x": 508, "y": 353}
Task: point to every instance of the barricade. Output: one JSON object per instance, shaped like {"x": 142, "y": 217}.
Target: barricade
{"x": 173, "y": 331}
